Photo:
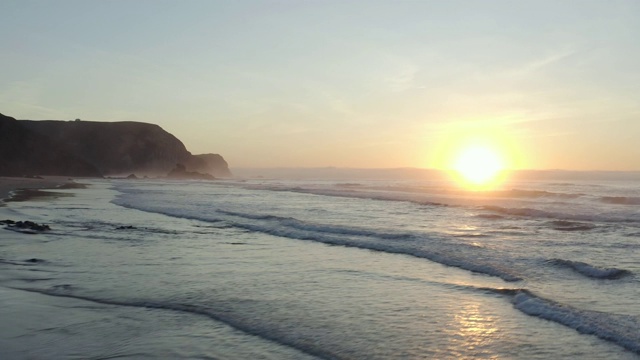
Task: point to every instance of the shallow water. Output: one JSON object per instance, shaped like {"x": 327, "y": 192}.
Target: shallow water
{"x": 294, "y": 269}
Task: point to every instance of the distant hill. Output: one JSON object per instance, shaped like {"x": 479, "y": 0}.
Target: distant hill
{"x": 110, "y": 148}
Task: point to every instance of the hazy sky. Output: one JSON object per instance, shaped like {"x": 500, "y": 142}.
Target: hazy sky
{"x": 339, "y": 83}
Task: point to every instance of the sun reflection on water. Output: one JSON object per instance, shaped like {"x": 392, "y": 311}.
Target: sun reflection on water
{"x": 475, "y": 331}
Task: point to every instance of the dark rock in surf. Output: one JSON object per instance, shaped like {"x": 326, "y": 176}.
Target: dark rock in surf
{"x": 127, "y": 227}
{"x": 25, "y": 226}
{"x": 30, "y": 225}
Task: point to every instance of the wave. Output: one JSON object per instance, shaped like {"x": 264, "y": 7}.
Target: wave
{"x": 408, "y": 193}
{"x": 464, "y": 199}
{"x": 564, "y": 225}
{"x": 621, "y": 200}
{"x": 518, "y": 211}
{"x": 351, "y": 192}
{"x": 489, "y": 216}
{"x": 348, "y": 185}
{"x": 421, "y": 245}
{"x": 537, "y": 213}
{"x": 591, "y": 270}
{"x": 540, "y": 203}
{"x": 520, "y": 193}
{"x": 296, "y": 229}
{"x": 330, "y": 229}
{"x": 615, "y": 328}
{"x": 619, "y": 329}
{"x": 301, "y": 346}
{"x": 562, "y": 184}
{"x": 29, "y": 262}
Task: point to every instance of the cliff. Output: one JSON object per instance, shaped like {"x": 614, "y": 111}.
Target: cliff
{"x": 25, "y": 152}
{"x": 117, "y": 147}
{"x": 213, "y": 164}
{"x": 109, "y": 148}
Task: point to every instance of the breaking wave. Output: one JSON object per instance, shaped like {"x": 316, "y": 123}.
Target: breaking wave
{"x": 329, "y": 229}
{"x": 427, "y": 246}
{"x": 591, "y": 270}
{"x": 619, "y": 329}
{"x": 406, "y": 244}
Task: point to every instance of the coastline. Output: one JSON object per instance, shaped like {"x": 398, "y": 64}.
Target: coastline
{"x": 30, "y": 187}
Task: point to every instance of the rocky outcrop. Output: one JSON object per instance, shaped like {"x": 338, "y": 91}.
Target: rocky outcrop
{"x": 103, "y": 148}
{"x": 26, "y": 152}
{"x": 180, "y": 172}
{"x": 28, "y": 227}
{"x": 213, "y": 164}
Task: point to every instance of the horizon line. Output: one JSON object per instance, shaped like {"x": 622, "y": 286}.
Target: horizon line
{"x": 410, "y": 168}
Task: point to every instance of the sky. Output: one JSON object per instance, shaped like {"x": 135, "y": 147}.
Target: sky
{"x": 362, "y": 84}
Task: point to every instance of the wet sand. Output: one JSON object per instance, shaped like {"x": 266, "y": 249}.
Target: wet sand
{"x": 22, "y": 189}
{"x": 27, "y": 315}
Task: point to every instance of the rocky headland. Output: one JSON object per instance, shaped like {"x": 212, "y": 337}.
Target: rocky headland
{"x": 91, "y": 148}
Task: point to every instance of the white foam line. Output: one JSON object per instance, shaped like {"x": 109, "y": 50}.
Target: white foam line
{"x": 622, "y": 330}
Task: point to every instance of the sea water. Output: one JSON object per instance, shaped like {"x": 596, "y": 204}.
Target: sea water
{"x": 283, "y": 269}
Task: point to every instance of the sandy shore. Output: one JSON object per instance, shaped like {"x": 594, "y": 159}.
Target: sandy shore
{"x": 34, "y": 325}
{"x": 9, "y": 184}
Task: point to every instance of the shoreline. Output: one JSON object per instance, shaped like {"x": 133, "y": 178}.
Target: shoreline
{"x": 23, "y": 189}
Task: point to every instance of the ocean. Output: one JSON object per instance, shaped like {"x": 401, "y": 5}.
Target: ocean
{"x": 326, "y": 269}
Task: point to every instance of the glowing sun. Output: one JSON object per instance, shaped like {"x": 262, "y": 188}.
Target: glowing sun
{"x": 478, "y": 166}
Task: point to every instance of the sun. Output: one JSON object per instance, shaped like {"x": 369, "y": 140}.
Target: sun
{"x": 478, "y": 166}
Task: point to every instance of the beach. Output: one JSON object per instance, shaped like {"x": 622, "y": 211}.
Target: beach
{"x": 28, "y": 315}
{"x": 12, "y": 184}
{"x": 278, "y": 269}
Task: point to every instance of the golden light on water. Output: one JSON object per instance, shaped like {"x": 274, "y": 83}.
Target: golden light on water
{"x": 476, "y": 331}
